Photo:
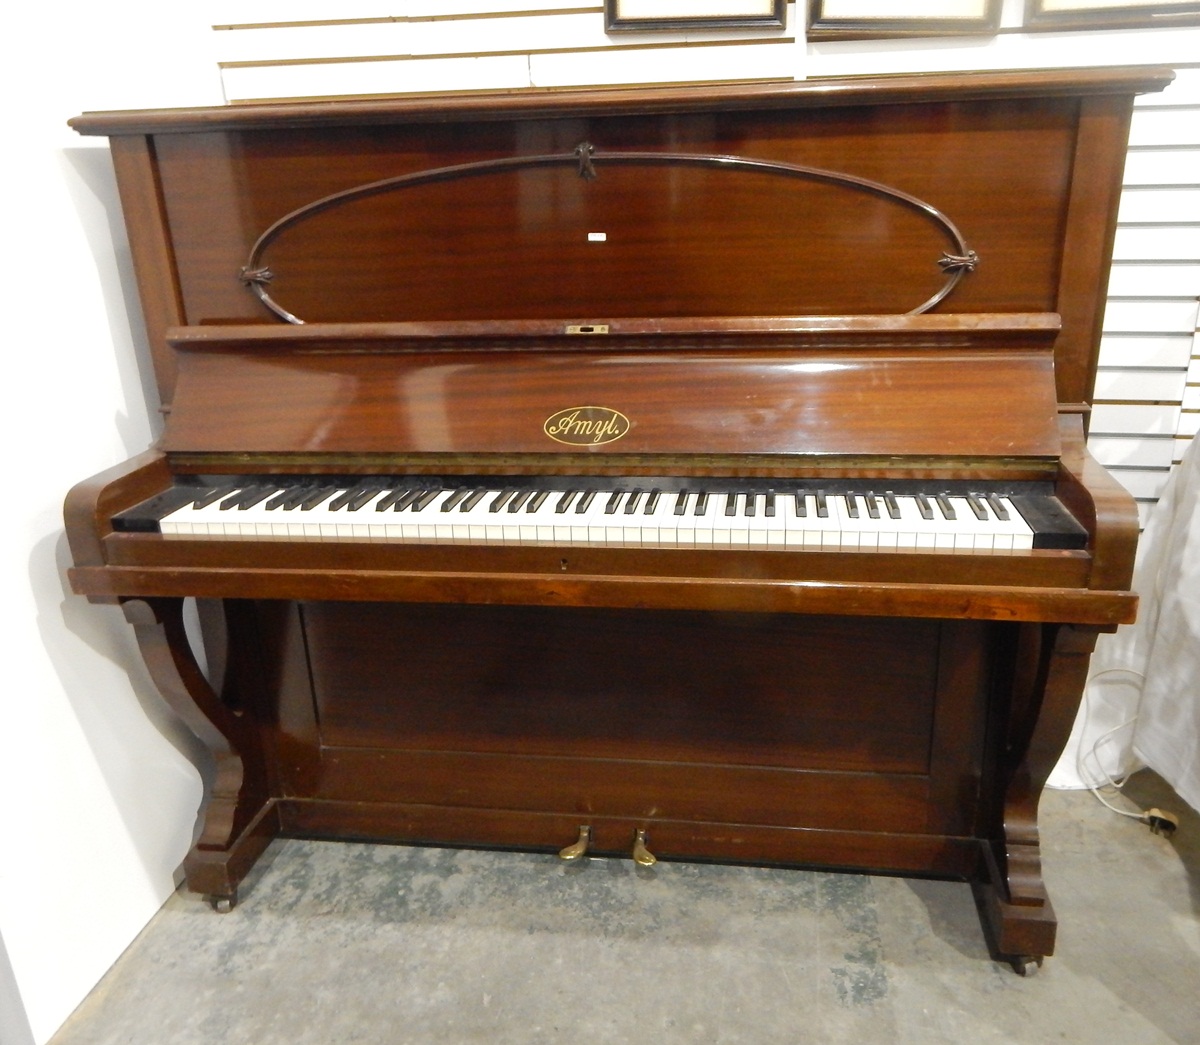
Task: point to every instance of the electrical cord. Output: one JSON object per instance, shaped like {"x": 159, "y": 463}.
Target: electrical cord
{"x": 1160, "y": 822}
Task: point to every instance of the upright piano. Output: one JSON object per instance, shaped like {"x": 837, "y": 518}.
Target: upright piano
{"x": 694, "y": 473}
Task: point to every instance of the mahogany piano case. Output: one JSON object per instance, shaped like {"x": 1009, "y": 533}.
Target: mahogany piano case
{"x": 688, "y": 473}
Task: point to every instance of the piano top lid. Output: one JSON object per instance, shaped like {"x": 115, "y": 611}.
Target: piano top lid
{"x": 535, "y": 104}
{"x": 964, "y": 387}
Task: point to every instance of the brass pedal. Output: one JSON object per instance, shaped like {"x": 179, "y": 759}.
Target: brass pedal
{"x": 641, "y": 855}
{"x": 577, "y": 849}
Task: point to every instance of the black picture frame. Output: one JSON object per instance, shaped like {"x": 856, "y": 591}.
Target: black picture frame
{"x": 643, "y": 15}
{"x": 1129, "y": 14}
{"x": 979, "y": 16}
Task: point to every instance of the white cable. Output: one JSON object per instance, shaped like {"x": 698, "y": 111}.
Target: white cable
{"x": 1095, "y": 788}
{"x": 1081, "y": 759}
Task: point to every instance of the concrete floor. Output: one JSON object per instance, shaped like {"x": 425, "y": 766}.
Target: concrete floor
{"x": 341, "y": 943}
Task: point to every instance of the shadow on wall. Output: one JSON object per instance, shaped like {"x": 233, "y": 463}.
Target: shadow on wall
{"x": 154, "y": 786}
{"x": 14, "y": 1024}
{"x": 150, "y": 781}
{"x": 90, "y": 180}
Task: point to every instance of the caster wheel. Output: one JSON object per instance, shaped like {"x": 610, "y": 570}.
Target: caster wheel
{"x": 222, "y": 904}
{"x": 1026, "y": 964}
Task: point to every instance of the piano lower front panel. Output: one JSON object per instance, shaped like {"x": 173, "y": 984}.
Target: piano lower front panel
{"x": 835, "y": 741}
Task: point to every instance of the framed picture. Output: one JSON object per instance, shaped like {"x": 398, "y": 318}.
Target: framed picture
{"x": 641, "y": 15}
{"x": 1109, "y": 14}
{"x": 866, "y": 18}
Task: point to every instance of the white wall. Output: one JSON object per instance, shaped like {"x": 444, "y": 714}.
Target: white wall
{"x": 96, "y": 799}
{"x": 97, "y": 786}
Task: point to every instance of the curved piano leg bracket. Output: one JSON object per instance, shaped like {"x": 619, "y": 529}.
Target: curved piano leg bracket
{"x": 1012, "y": 895}
{"x": 240, "y": 818}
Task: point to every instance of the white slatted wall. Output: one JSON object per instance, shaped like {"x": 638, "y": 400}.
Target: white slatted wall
{"x": 1147, "y": 406}
{"x": 351, "y": 49}
{"x": 1148, "y": 387}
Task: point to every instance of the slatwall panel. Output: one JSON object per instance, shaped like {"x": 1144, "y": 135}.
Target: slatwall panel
{"x": 1147, "y": 405}
{"x": 440, "y": 46}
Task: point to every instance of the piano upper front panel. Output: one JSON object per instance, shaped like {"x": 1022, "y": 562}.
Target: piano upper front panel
{"x": 1027, "y": 164}
{"x": 515, "y": 246}
{"x": 358, "y": 397}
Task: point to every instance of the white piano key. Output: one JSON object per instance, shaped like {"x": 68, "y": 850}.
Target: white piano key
{"x": 538, "y": 521}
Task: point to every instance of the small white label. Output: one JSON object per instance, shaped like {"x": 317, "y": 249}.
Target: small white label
{"x": 597, "y": 237}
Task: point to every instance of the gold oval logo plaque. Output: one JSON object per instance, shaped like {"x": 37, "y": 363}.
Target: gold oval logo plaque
{"x": 586, "y": 425}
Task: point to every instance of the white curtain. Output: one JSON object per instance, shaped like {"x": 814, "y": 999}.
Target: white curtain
{"x": 1142, "y": 702}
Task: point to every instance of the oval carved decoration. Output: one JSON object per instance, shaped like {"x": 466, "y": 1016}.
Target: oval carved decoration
{"x": 899, "y": 217}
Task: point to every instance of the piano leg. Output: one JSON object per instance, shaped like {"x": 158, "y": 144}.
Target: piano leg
{"x": 241, "y": 818}
{"x": 1012, "y": 896}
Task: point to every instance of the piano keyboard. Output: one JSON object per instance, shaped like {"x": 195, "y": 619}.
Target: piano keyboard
{"x": 707, "y": 513}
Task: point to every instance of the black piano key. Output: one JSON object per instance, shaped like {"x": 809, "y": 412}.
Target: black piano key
{"x": 247, "y": 497}
{"x": 232, "y": 500}
{"x": 631, "y": 503}
{"x": 731, "y": 500}
{"x": 206, "y": 496}
{"x": 280, "y": 498}
{"x": 924, "y": 507}
{"x": 363, "y": 497}
{"x": 473, "y": 499}
{"x": 872, "y": 503}
{"x": 681, "y": 502}
{"x": 822, "y": 505}
{"x": 769, "y": 504}
{"x": 652, "y": 502}
{"x": 455, "y": 499}
{"x": 1052, "y": 525}
{"x": 519, "y": 498}
{"x": 318, "y": 496}
{"x": 801, "y": 504}
{"x": 295, "y": 496}
{"x": 564, "y": 502}
{"x": 998, "y": 507}
{"x": 977, "y": 506}
{"x": 425, "y": 499}
{"x": 701, "y": 503}
{"x": 501, "y": 498}
{"x": 893, "y": 506}
{"x": 535, "y": 502}
{"x": 751, "y": 504}
{"x": 409, "y": 497}
{"x": 390, "y": 497}
{"x": 345, "y": 497}
{"x": 585, "y": 501}
{"x": 614, "y": 499}
{"x": 943, "y": 502}
{"x": 851, "y": 505}
{"x": 354, "y": 498}
{"x": 145, "y": 516}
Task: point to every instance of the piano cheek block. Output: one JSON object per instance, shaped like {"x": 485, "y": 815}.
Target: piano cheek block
{"x": 634, "y": 498}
